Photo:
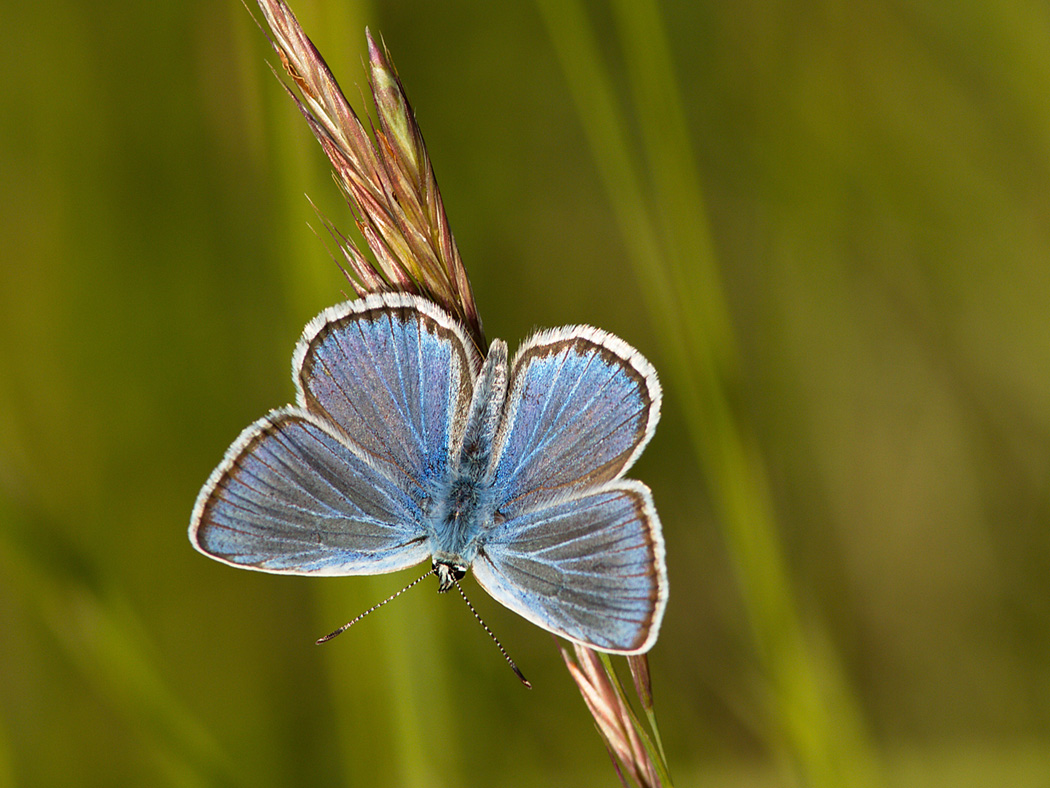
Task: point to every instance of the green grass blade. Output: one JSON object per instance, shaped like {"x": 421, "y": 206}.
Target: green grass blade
{"x": 671, "y": 252}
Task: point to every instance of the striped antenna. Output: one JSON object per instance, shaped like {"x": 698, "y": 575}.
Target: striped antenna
{"x": 374, "y": 607}
{"x": 495, "y": 640}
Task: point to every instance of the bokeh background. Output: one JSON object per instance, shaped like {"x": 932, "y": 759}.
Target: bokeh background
{"x": 827, "y": 224}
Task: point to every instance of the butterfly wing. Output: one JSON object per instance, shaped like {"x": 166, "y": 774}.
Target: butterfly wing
{"x": 395, "y": 373}
{"x": 291, "y": 496}
{"x": 338, "y": 484}
{"x": 581, "y": 405}
{"x": 580, "y": 552}
{"x": 589, "y": 568}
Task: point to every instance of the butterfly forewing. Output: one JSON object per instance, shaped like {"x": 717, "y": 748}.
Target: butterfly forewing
{"x": 394, "y": 372}
{"x": 590, "y": 568}
{"x": 581, "y": 406}
{"x": 291, "y": 496}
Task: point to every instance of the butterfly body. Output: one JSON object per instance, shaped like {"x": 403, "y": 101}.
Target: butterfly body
{"x": 404, "y": 445}
{"x": 464, "y": 503}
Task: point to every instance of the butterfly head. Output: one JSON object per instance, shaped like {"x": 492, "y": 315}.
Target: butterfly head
{"x": 448, "y": 575}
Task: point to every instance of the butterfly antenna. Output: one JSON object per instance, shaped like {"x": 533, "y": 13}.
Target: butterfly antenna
{"x": 495, "y": 640}
{"x": 378, "y": 605}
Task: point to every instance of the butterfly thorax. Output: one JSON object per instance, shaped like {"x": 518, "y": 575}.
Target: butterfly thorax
{"x": 460, "y": 520}
{"x": 464, "y": 505}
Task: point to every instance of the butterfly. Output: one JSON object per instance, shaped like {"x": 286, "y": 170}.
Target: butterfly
{"x": 404, "y": 444}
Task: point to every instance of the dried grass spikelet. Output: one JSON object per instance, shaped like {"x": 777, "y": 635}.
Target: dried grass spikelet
{"x": 386, "y": 178}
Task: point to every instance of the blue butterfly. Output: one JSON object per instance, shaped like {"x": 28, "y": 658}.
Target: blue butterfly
{"x": 405, "y": 445}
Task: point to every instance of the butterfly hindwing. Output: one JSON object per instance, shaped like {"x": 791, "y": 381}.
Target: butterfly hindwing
{"x": 589, "y": 568}
{"x": 291, "y": 496}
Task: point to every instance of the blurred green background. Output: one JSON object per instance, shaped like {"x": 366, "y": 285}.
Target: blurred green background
{"x": 826, "y": 223}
